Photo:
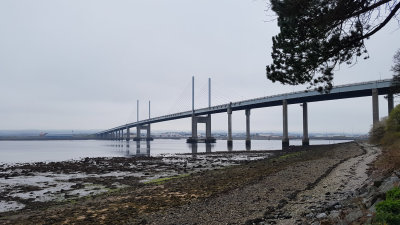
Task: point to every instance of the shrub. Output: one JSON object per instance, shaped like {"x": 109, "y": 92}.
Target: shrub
{"x": 393, "y": 122}
{"x": 388, "y": 211}
{"x": 377, "y": 131}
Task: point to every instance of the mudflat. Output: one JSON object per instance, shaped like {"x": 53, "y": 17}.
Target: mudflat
{"x": 256, "y": 187}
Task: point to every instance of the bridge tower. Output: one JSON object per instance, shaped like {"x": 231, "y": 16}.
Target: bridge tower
{"x": 142, "y": 127}
{"x": 201, "y": 119}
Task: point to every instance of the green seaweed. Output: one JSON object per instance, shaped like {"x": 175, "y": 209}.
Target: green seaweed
{"x": 165, "y": 179}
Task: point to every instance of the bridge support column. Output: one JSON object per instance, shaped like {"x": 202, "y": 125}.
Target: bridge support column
{"x": 230, "y": 140}
{"x": 248, "y": 138}
{"x": 143, "y": 127}
{"x": 375, "y": 106}
{"x": 285, "y": 136}
{"x": 137, "y": 138}
{"x": 128, "y": 134}
{"x": 305, "y": 140}
{"x": 208, "y": 129}
{"x": 201, "y": 119}
{"x": 390, "y": 103}
{"x": 193, "y": 138}
{"x": 148, "y": 137}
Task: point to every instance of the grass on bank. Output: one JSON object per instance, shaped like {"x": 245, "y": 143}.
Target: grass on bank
{"x": 386, "y": 133}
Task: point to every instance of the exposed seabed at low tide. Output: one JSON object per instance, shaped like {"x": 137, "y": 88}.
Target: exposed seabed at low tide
{"x": 26, "y": 185}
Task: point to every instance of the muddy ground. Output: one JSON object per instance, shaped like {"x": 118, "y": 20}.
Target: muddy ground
{"x": 231, "y": 188}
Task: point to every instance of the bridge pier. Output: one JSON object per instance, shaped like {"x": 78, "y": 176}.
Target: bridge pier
{"x": 390, "y": 102}
{"x": 201, "y": 119}
{"x": 143, "y": 127}
{"x": 375, "y": 106}
{"x": 230, "y": 140}
{"x": 305, "y": 141}
{"x": 128, "y": 134}
{"x": 285, "y": 136}
{"x": 248, "y": 138}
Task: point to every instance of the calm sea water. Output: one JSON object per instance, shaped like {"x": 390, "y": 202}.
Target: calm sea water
{"x": 37, "y": 151}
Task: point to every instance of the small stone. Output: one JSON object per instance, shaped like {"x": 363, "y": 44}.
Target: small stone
{"x": 334, "y": 214}
{"x": 310, "y": 215}
{"x": 354, "y": 215}
{"x": 321, "y": 215}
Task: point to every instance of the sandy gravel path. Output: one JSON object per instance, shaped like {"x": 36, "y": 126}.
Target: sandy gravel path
{"x": 342, "y": 183}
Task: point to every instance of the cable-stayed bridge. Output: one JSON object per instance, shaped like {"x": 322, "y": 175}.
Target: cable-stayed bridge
{"x": 203, "y": 115}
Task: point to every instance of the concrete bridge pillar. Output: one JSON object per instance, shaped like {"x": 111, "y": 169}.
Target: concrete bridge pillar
{"x": 194, "y": 137}
{"x": 285, "y": 136}
{"x": 248, "y": 138}
{"x": 230, "y": 140}
{"x": 148, "y": 136}
{"x": 148, "y": 133}
{"x": 375, "y": 106}
{"x": 128, "y": 134}
{"x": 390, "y": 103}
{"x": 201, "y": 119}
{"x": 137, "y": 138}
{"x": 208, "y": 128}
{"x": 305, "y": 140}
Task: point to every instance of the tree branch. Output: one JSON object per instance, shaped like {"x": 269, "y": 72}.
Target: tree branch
{"x": 388, "y": 18}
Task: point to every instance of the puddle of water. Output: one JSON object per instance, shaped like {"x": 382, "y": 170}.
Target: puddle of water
{"x": 6, "y": 206}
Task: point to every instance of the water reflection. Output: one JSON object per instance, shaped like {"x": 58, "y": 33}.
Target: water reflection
{"x": 39, "y": 151}
{"x": 248, "y": 146}
{"x": 157, "y": 147}
{"x": 140, "y": 148}
{"x": 209, "y": 146}
{"x": 194, "y": 147}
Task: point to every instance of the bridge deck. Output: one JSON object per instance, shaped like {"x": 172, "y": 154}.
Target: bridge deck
{"x": 337, "y": 92}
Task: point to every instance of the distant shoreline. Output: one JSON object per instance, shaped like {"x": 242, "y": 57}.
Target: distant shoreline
{"x": 218, "y": 138}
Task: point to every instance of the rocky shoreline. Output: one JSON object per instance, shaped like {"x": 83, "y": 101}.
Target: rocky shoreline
{"x": 32, "y": 185}
{"x": 330, "y": 184}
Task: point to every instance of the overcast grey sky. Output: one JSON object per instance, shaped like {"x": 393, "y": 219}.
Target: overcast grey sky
{"x": 69, "y": 64}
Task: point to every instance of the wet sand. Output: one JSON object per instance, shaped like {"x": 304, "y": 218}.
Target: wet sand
{"x": 234, "y": 188}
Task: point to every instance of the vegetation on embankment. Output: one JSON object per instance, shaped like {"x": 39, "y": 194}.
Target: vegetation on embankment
{"x": 388, "y": 211}
{"x": 386, "y": 133}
